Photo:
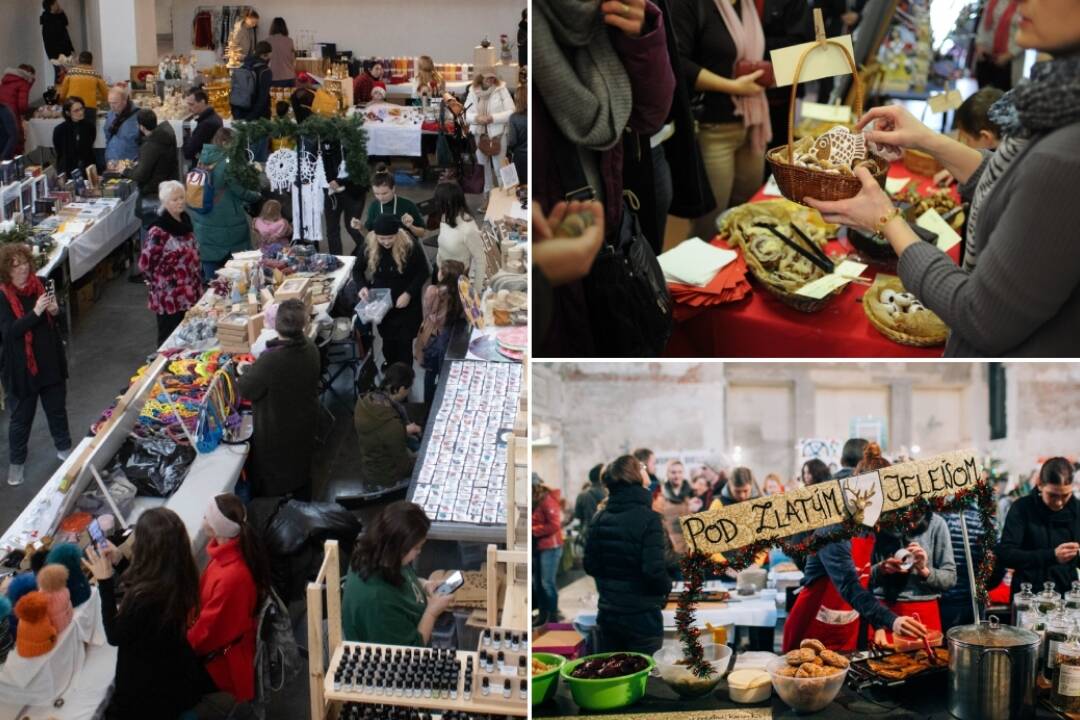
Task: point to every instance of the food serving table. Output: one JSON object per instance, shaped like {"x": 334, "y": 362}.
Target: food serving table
{"x": 761, "y": 326}
{"x": 661, "y": 703}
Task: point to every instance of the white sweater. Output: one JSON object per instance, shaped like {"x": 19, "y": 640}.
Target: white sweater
{"x": 464, "y": 244}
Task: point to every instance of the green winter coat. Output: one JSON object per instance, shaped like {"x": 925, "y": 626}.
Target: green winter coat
{"x": 385, "y": 459}
{"x": 226, "y": 228}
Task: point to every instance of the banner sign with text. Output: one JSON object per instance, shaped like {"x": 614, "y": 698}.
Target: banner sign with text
{"x": 862, "y": 497}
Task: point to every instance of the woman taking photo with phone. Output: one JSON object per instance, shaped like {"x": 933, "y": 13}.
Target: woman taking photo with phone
{"x": 1023, "y": 297}
{"x": 34, "y": 366}
{"x": 384, "y": 601}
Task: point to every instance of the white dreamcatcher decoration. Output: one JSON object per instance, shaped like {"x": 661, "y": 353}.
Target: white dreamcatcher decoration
{"x": 281, "y": 169}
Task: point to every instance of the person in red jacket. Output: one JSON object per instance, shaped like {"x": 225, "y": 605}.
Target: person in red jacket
{"x": 15, "y": 93}
{"x": 365, "y": 81}
{"x": 231, "y": 591}
{"x": 547, "y": 544}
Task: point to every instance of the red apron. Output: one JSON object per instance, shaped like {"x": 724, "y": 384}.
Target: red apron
{"x": 925, "y": 611}
{"x": 820, "y": 613}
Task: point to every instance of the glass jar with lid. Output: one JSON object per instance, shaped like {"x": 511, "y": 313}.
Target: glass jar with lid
{"x": 1072, "y": 598}
{"x": 1065, "y": 681}
{"x": 1048, "y": 600}
{"x": 1058, "y": 627}
{"x": 1023, "y": 605}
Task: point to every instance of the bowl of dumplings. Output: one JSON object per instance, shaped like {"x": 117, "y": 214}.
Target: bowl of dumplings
{"x": 823, "y": 167}
{"x": 899, "y": 316}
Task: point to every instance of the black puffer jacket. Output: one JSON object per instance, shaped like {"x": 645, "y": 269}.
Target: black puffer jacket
{"x": 1028, "y": 540}
{"x": 626, "y": 551}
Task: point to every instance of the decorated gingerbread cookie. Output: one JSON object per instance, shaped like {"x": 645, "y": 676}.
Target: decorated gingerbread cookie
{"x": 840, "y": 147}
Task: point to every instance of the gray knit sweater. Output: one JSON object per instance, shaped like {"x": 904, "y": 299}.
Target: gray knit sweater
{"x": 937, "y": 543}
{"x": 1023, "y": 298}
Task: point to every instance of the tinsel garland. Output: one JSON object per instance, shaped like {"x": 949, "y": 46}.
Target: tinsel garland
{"x": 697, "y": 566}
{"x": 349, "y": 131}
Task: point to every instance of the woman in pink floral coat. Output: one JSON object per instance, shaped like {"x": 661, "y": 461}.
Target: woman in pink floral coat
{"x": 170, "y": 261}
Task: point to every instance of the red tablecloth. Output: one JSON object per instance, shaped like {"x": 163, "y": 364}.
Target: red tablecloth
{"x": 762, "y": 326}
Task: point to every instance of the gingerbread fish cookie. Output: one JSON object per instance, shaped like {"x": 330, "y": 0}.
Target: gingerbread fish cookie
{"x": 840, "y": 147}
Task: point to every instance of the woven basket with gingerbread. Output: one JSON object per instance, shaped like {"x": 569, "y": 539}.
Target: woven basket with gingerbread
{"x": 823, "y": 167}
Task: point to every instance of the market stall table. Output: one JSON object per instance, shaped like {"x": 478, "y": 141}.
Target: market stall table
{"x": 405, "y": 90}
{"x": 761, "y": 326}
{"x": 758, "y": 610}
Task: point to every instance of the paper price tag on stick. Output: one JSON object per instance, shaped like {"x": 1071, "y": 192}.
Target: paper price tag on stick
{"x": 824, "y": 61}
{"x": 844, "y": 273}
{"x": 946, "y": 101}
{"x": 825, "y": 113}
{"x": 932, "y": 221}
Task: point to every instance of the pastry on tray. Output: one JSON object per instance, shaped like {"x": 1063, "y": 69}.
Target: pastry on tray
{"x": 900, "y": 316}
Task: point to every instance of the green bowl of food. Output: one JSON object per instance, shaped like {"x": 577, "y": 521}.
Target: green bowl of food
{"x": 545, "y": 676}
{"x": 608, "y": 681}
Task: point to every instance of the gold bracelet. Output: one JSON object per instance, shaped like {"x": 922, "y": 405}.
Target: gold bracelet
{"x": 885, "y": 220}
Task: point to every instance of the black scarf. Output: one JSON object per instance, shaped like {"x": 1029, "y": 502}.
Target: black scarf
{"x": 684, "y": 493}
{"x": 1049, "y": 100}
{"x": 176, "y": 228}
{"x": 121, "y": 117}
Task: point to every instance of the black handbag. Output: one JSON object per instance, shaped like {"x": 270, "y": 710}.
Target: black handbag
{"x": 629, "y": 306}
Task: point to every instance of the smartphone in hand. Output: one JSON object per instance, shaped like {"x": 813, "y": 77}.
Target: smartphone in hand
{"x": 451, "y": 583}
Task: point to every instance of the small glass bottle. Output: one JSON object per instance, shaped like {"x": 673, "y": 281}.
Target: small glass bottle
{"x": 1048, "y": 600}
{"x": 1023, "y": 604}
{"x": 1065, "y": 682}
{"x": 1072, "y": 598}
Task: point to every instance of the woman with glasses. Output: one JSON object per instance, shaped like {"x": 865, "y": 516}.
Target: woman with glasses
{"x": 34, "y": 366}
{"x": 73, "y": 139}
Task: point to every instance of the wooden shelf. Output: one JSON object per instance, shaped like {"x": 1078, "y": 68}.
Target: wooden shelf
{"x": 477, "y": 704}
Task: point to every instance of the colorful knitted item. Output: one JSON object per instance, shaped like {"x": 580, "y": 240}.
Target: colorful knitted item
{"x": 70, "y": 556}
{"x": 7, "y": 638}
{"x": 52, "y": 582}
{"x": 37, "y": 636}
{"x": 21, "y": 584}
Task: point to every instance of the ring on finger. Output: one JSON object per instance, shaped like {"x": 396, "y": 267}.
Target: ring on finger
{"x": 625, "y": 10}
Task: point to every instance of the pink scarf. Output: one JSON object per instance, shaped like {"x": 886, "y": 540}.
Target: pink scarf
{"x": 749, "y": 45}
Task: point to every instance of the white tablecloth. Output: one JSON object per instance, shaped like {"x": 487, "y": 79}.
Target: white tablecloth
{"x": 104, "y": 236}
{"x": 40, "y": 133}
{"x": 757, "y": 611}
{"x": 384, "y": 139}
{"x": 405, "y": 90}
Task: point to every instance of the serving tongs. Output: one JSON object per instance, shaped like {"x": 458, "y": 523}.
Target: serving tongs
{"x": 816, "y": 256}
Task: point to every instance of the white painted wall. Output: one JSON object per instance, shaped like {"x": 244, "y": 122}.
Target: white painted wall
{"x": 21, "y": 39}
{"x": 164, "y": 16}
{"x": 446, "y": 30}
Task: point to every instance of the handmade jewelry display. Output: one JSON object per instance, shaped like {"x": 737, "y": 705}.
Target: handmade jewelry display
{"x": 463, "y": 476}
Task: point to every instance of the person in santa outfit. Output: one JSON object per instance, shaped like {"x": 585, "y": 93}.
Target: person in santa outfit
{"x": 835, "y": 592}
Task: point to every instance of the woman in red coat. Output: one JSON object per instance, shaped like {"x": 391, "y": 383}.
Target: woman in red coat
{"x": 547, "y": 547}
{"x": 231, "y": 591}
{"x": 15, "y": 93}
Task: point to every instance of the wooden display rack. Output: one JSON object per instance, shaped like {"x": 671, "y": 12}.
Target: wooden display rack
{"x": 322, "y": 694}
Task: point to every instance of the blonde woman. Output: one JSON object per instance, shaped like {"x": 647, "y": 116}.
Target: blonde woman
{"x": 393, "y": 260}
{"x": 489, "y": 109}
{"x": 429, "y": 81}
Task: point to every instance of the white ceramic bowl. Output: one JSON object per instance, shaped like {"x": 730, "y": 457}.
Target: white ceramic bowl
{"x": 805, "y": 694}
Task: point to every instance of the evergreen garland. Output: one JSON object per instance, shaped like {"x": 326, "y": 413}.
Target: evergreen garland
{"x": 696, "y": 566}
{"x": 349, "y": 131}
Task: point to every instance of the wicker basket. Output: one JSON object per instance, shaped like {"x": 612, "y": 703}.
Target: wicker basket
{"x": 882, "y": 282}
{"x": 795, "y": 182}
{"x": 792, "y": 300}
{"x": 920, "y": 163}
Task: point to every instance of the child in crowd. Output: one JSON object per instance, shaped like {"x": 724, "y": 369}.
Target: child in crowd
{"x": 974, "y": 127}
{"x": 270, "y": 226}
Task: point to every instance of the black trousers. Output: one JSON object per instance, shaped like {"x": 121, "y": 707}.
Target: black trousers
{"x": 641, "y": 632}
{"x": 54, "y": 402}
{"x": 166, "y": 323}
{"x": 350, "y": 207}
{"x": 397, "y": 345}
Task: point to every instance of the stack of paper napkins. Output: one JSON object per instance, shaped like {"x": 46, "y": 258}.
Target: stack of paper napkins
{"x": 694, "y": 262}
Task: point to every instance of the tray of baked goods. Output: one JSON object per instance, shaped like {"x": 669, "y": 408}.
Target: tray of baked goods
{"x": 877, "y": 668}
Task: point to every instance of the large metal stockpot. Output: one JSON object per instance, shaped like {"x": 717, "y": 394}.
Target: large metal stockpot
{"x": 992, "y": 671}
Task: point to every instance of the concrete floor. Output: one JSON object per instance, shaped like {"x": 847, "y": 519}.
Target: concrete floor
{"x": 110, "y": 341}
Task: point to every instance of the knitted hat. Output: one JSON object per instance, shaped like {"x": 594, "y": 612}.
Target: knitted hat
{"x": 70, "y": 556}
{"x": 37, "y": 636}
{"x": 378, "y": 87}
{"x": 7, "y": 638}
{"x": 52, "y": 582}
{"x": 306, "y": 78}
{"x": 387, "y": 224}
{"x": 21, "y": 584}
